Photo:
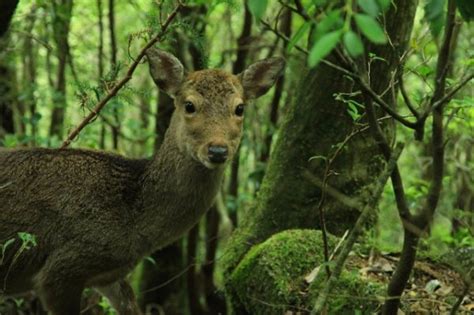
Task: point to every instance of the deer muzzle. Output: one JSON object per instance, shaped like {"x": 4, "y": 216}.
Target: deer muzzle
{"x": 217, "y": 153}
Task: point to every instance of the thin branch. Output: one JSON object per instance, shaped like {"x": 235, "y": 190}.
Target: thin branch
{"x": 377, "y": 99}
{"x": 306, "y": 52}
{"x": 298, "y": 10}
{"x": 361, "y": 221}
{"x": 455, "y": 308}
{"x": 397, "y": 183}
{"x": 123, "y": 81}
{"x": 332, "y": 192}
{"x": 353, "y": 74}
{"x": 301, "y": 10}
{"x": 442, "y": 70}
{"x": 282, "y": 36}
{"x": 446, "y": 98}
{"x": 406, "y": 97}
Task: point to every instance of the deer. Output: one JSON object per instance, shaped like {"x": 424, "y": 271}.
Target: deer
{"x": 95, "y": 215}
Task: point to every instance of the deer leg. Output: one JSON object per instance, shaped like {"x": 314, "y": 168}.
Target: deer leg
{"x": 61, "y": 297}
{"x": 121, "y": 296}
{"x": 60, "y": 283}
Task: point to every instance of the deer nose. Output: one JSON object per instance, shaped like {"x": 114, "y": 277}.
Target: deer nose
{"x": 217, "y": 153}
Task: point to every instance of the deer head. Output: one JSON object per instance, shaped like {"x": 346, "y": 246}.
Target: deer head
{"x": 210, "y": 104}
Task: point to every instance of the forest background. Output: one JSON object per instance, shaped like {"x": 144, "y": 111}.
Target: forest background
{"x": 363, "y": 79}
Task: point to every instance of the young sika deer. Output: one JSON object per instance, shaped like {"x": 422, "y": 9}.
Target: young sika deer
{"x": 95, "y": 215}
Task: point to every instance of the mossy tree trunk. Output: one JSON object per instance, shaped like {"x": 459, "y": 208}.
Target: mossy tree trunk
{"x": 313, "y": 127}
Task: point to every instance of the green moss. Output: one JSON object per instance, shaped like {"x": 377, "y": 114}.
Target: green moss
{"x": 270, "y": 278}
{"x": 351, "y": 294}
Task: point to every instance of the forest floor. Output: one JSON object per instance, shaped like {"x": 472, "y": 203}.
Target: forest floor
{"x": 433, "y": 287}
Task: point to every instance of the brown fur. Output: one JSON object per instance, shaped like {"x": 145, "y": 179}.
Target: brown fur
{"x": 95, "y": 214}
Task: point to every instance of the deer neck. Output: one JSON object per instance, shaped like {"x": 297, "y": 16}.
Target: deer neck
{"x": 176, "y": 191}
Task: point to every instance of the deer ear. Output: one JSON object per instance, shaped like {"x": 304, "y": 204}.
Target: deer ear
{"x": 259, "y": 77}
{"x": 166, "y": 70}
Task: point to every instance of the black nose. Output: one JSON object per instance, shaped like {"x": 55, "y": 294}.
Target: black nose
{"x": 217, "y": 153}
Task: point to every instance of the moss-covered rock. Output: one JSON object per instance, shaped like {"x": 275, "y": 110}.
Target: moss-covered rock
{"x": 270, "y": 278}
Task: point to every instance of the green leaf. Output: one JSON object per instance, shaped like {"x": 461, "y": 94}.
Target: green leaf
{"x": 434, "y": 14}
{"x": 384, "y": 4}
{"x": 370, "y": 28}
{"x": 298, "y": 35}
{"x": 331, "y": 21}
{"x": 433, "y": 9}
{"x": 369, "y": 6}
{"x": 151, "y": 260}
{"x": 323, "y": 47}
{"x": 28, "y": 240}
{"x": 466, "y": 8}
{"x": 353, "y": 44}
{"x": 257, "y": 7}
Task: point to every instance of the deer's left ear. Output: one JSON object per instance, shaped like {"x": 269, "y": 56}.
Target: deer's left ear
{"x": 259, "y": 77}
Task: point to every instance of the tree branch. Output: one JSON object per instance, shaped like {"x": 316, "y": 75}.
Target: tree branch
{"x": 423, "y": 219}
{"x": 406, "y": 98}
{"x": 306, "y": 52}
{"x": 442, "y": 70}
{"x": 453, "y": 92}
{"x": 361, "y": 221}
{"x": 120, "y": 84}
{"x": 377, "y": 99}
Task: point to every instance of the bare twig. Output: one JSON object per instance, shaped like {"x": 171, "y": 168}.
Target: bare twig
{"x": 406, "y": 98}
{"x": 458, "y": 303}
{"x": 120, "y": 84}
{"x": 387, "y": 108}
{"x": 298, "y": 10}
{"x": 446, "y": 98}
{"x": 325, "y": 189}
{"x": 361, "y": 221}
{"x": 305, "y": 51}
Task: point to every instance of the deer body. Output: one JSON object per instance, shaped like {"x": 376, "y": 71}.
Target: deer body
{"x": 95, "y": 215}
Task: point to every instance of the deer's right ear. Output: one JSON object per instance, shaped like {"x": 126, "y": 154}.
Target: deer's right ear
{"x": 166, "y": 70}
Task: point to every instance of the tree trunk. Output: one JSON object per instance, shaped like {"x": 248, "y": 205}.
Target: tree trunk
{"x": 7, "y": 8}
{"x": 61, "y": 22}
{"x": 7, "y": 92}
{"x": 30, "y": 52}
{"x": 285, "y": 29}
{"x": 315, "y": 124}
{"x": 113, "y": 64}
{"x": 100, "y": 65}
{"x": 243, "y": 43}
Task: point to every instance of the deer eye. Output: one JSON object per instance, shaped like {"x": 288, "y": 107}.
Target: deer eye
{"x": 239, "y": 110}
{"x": 189, "y": 107}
